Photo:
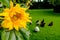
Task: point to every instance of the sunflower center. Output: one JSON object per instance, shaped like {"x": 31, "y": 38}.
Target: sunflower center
{"x": 16, "y": 17}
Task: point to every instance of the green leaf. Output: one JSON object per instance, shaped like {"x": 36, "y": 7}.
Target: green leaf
{"x": 25, "y": 33}
{"x": 7, "y": 35}
{"x": 14, "y": 1}
{"x": 1, "y": 10}
{"x": 6, "y": 3}
{"x": 4, "y": 35}
{"x": 0, "y": 34}
{"x": 0, "y": 0}
{"x": 1, "y": 7}
{"x": 18, "y": 35}
{"x": 12, "y": 35}
{"x": 23, "y": 5}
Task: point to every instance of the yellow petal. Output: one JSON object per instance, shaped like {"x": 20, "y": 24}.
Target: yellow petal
{"x": 6, "y": 24}
{"x": 16, "y": 27}
{"x": 17, "y": 6}
{"x": 11, "y": 4}
{"x": 10, "y": 28}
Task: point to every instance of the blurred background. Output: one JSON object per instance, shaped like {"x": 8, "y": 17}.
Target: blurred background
{"x": 46, "y": 4}
{"x": 35, "y": 4}
{"x": 49, "y": 10}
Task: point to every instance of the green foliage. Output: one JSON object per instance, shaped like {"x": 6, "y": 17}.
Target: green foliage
{"x": 23, "y": 34}
{"x": 12, "y": 36}
{"x": 18, "y": 35}
{"x": 52, "y": 1}
{"x": 1, "y": 10}
{"x": 5, "y": 3}
{"x": 55, "y": 2}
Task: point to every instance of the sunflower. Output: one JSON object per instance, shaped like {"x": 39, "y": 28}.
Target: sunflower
{"x": 15, "y": 17}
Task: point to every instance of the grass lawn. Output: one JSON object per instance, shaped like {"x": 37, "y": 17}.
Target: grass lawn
{"x": 47, "y": 32}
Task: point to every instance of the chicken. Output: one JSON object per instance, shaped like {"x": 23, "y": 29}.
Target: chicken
{"x": 50, "y": 24}
{"x": 36, "y": 29}
{"x": 42, "y": 24}
{"x": 38, "y": 22}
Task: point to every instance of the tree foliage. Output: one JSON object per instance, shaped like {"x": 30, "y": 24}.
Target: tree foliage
{"x": 55, "y": 2}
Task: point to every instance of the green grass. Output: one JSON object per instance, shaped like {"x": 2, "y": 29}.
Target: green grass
{"x": 47, "y": 32}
